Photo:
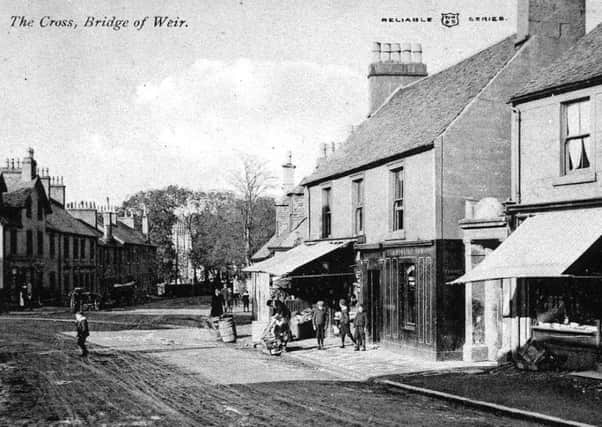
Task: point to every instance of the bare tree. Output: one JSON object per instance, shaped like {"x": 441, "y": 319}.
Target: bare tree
{"x": 251, "y": 182}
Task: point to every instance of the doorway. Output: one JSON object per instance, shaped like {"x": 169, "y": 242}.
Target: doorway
{"x": 374, "y": 305}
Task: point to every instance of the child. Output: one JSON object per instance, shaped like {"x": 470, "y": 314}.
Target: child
{"x": 345, "y": 331}
{"x": 82, "y": 332}
{"x": 319, "y": 322}
{"x": 245, "y": 300}
{"x": 360, "y": 322}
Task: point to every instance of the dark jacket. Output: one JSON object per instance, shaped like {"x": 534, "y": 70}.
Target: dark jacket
{"x": 344, "y": 318}
{"x": 281, "y": 309}
{"x": 217, "y": 302}
{"x": 361, "y": 320}
{"x": 319, "y": 317}
{"x": 82, "y": 328}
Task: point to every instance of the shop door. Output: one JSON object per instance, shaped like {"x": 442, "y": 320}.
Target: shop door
{"x": 374, "y": 308}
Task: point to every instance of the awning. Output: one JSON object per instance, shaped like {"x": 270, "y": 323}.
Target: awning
{"x": 545, "y": 245}
{"x": 289, "y": 261}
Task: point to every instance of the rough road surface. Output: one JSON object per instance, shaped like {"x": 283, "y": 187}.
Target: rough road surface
{"x": 43, "y": 381}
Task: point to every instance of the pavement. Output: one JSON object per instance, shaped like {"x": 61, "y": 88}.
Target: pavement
{"x": 347, "y": 364}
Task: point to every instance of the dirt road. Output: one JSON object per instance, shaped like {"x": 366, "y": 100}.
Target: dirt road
{"x": 43, "y": 381}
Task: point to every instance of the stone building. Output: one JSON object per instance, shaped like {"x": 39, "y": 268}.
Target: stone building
{"x": 544, "y": 279}
{"x": 53, "y": 248}
{"x": 397, "y": 186}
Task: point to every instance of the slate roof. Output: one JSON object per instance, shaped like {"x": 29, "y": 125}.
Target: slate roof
{"x": 127, "y": 234}
{"x": 60, "y": 220}
{"x": 579, "y": 65}
{"x": 286, "y": 240}
{"x": 415, "y": 115}
{"x": 17, "y": 198}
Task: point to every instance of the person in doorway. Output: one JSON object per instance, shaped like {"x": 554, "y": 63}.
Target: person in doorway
{"x": 29, "y": 296}
{"x": 318, "y": 321}
{"x": 344, "y": 326}
{"x": 245, "y": 300}
{"x": 81, "y": 324}
{"x": 22, "y": 297}
{"x": 360, "y": 322}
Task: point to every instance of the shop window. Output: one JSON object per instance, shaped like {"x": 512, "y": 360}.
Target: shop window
{"x": 398, "y": 219}
{"x": 40, "y": 243}
{"x": 13, "y": 242}
{"x": 29, "y": 242}
{"x": 577, "y": 150}
{"x": 358, "y": 206}
{"x": 326, "y": 214}
{"x": 410, "y": 296}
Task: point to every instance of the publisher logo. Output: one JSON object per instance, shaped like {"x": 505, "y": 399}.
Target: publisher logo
{"x": 450, "y": 19}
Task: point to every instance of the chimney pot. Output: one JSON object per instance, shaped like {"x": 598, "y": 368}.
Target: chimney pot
{"x": 417, "y": 53}
{"x": 396, "y": 52}
{"x": 386, "y": 52}
{"x": 376, "y": 52}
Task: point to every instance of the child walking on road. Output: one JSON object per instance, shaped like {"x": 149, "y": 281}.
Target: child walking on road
{"x": 83, "y": 332}
{"x": 360, "y": 322}
{"x": 319, "y": 323}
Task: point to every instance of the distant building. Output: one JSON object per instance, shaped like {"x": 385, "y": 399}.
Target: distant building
{"x": 54, "y": 248}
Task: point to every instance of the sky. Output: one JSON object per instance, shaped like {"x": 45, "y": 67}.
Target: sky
{"x": 118, "y": 111}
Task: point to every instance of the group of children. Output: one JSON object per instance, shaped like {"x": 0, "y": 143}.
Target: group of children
{"x": 360, "y": 322}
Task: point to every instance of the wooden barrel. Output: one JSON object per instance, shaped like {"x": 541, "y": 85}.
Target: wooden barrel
{"x": 227, "y": 329}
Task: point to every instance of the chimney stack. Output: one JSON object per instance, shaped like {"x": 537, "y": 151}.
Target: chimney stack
{"x": 28, "y": 168}
{"x": 288, "y": 174}
{"x": 84, "y": 211}
{"x": 397, "y": 64}
{"x": 145, "y": 224}
{"x": 107, "y": 223}
{"x": 57, "y": 190}
{"x": 557, "y": 19}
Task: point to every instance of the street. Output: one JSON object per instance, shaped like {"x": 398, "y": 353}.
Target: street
{"x": 160, "y": 380}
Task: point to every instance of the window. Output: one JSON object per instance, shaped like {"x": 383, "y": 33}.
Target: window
{"x": 82, "y": 249}
{"x": 92, "y": 250}
{"x": 28, "y": 207}
{"x": 40, "y": 211}
{"x": 577, "y": 150}
{"x": 66, "y": 282}
{"x": 66, "y": 247}
{"x": 410, "y": 296}
{"x": 40, "y": 243}
{"x": 13, "y": 242}
{"x": 29, "y": 242}
{"x": 398, "y": 199}
{"x": 358, "y": 206}
{"x": 51, "y": 248}
{"x": 75, "y": 249}
{"x": 326, "y": 219}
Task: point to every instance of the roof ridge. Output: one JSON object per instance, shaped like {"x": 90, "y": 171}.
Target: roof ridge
{"x": 415, "y": 82}
{"x": 486, "y": 86}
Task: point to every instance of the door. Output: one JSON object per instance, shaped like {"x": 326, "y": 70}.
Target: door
{"x": 374, "y": 309}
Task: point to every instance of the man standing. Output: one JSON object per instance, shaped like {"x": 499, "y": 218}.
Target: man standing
{"x": 83, "y": 332}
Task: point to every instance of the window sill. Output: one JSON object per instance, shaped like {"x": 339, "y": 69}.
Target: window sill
{"x": 396, "y": 235}
{"x": 581, "y": 177}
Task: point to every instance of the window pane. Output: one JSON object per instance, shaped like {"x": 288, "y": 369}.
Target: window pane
{"x": 584, "y": 117}
{"x": 572, "y": 119}
{"x": 585, "y": 152}
{"x": 411, "y": 295}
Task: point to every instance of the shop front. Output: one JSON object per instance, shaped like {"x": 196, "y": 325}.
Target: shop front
{"x": 313, "y": 271}
{"x": 546, "y": 284}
